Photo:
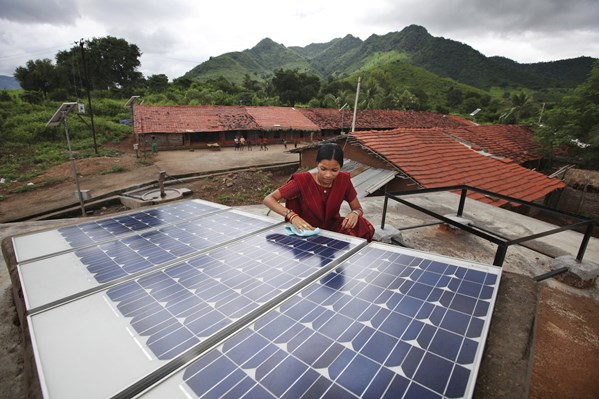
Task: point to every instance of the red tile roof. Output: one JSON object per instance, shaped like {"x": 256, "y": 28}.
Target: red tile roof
{"x": 505, "y": 141}
{"x": 281, "y": 118}
{"x": 367, "y": 119}
{"x": 177, "y": 119}
{"x": 434, "y": 159}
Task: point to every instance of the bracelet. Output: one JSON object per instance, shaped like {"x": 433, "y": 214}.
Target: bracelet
{"x": 289, "y": 212}
{"x": 292, "y": 216}
{"x": 356, "y": 211}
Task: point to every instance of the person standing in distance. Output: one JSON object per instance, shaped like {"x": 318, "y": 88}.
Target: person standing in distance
{"x": 314, "y": 199}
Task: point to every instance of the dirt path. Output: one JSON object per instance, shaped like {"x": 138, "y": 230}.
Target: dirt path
{"x": 56, "y": 188}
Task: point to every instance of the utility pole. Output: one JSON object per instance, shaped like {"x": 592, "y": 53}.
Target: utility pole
{"x": 89, "y": 97}
{"x": 353, "y": 122}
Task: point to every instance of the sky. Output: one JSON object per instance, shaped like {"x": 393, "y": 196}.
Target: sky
{"x": 176, "y": 35}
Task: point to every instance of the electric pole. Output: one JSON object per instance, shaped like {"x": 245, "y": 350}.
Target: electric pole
{"x": 89, "y": 97}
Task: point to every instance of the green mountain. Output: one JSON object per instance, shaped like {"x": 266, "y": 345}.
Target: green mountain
{"x": 259, "y": 62}
{"x": 8, "y": 82}
{"x": 413, "y": 45}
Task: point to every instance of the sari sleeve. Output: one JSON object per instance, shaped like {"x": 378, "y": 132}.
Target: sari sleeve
{"x": 290, "y": 190}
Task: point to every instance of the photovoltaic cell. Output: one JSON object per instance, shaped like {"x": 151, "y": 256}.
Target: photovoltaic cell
{"x": 94, "y": 232}
{"x": 383, "y": 322}
{"x": 178, "y": 307}
{"x": 155, "y": 318}
{"x": 386, "y": 323}
{"x": 89, "y": 267}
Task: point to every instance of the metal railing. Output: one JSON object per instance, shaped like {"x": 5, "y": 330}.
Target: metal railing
{"x": 503, "y": 243}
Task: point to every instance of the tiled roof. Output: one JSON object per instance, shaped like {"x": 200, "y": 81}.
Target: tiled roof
{"x": 281, "y": 118}
{"x": 177, "y": 119}
{"x": 207, "y": 118}
{"x": 505, "y": 141}
{"x": 368, "y": 119}
{"x": 434, "y": 159}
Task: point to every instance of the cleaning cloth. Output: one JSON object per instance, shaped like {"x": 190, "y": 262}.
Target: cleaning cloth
{"x": 290, "y": 229}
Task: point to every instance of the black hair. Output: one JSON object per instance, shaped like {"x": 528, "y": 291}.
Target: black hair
{"x": 330, "y": 151}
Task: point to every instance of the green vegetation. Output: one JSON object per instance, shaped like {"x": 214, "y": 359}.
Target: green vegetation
{"x": 574, "y": 122}
{"x": 44, "y": 184}
{"x": 29, "y": 147}
{"x": 408, "y": 70}
{"x": 114, "y": 169}
{"x": 232, "y": 199}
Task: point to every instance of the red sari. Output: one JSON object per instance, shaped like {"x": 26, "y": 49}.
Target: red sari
{"x": 320, "y": 206}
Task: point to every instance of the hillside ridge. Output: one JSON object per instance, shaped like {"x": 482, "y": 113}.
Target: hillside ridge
{"x": 342, "y": 57}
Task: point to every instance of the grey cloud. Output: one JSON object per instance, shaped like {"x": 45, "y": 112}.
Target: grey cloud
{"x": 54, "y": 12}
{"x": 149, "y": 40}
{"x": 138, "y": 13}
{"x": 499, "y": 16}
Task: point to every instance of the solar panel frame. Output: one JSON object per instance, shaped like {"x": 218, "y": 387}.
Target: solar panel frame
{"x": 446, "y": 365}
{"x": 231, "y": 276}
{"x": 59, "y": 334}
{"x": 37, "y": 245}
{"x": 50, "y": 281}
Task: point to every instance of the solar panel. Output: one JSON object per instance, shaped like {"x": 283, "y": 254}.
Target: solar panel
{"x": 50, "y": 279}
{"x": 386, "y": 323}
{"x": 46, "y": 243}
{"x": 146, "y": 323}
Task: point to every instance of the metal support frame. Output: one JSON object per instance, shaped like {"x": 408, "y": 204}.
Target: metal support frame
{"x": 60, "y": 116}
{"x": 502, "y": 243}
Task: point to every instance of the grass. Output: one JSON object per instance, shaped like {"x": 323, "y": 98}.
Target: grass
{"x": 44, "y": 184}
{"x": 114, "y": 169}
{"x": 233, "y": 199}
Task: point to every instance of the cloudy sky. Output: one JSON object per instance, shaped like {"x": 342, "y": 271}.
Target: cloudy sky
{"x": 176, "y": 35}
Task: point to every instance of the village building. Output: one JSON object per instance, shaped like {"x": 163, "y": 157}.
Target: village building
{"x": 392, "y": 150}
{"x": 191, "y": 127}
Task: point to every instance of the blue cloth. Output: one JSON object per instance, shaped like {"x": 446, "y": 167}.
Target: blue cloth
{"x": 290, "y": 229}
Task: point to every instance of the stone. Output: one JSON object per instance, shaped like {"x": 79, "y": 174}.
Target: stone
{"x": 579, "y": 275}
{"x": 388, "y": 235}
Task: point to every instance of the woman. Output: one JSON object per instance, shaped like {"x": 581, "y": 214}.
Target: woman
{"x": 314, "y": 199}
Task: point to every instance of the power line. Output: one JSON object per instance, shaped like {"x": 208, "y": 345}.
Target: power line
{"x": 30, "y": 53}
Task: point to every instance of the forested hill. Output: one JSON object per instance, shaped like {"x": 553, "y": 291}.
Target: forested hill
{"x": 413, "y": 45}
{"x": 8, "y": 82}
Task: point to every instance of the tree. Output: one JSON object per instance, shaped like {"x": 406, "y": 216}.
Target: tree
{"x": 407, "y": 100}
{"x": 574, "y": 123}
{"x": 369, "y": 97}
{"x": 294, "y": 87}
{"x": 157, "y": 83}
{"x": 251, "y": 84}
{"x": 520, "y": 104}
{"x": 111, "y": 63}
{"x": 454, "y": 97}
{"x": 38, "y": 75}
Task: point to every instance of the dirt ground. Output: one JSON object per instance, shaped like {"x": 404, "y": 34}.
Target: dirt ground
{"x": 105, "y": 174}
{"x": 566, "y": 354}
{"x": 566, "y": 357}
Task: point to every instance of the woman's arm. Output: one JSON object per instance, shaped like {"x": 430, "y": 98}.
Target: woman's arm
{"x": 272, "y": 202}
{"x": 351, "y": 220}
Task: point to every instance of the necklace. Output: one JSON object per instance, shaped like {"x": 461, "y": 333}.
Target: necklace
{"x": 324, "y": 187}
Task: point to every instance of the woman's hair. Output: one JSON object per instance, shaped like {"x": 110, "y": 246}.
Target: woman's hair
{"x": 330, "y": 151}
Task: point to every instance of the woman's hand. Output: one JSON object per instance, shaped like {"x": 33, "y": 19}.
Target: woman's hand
{"x": 300, "y": 224}
{"x": 350, "y": 221}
